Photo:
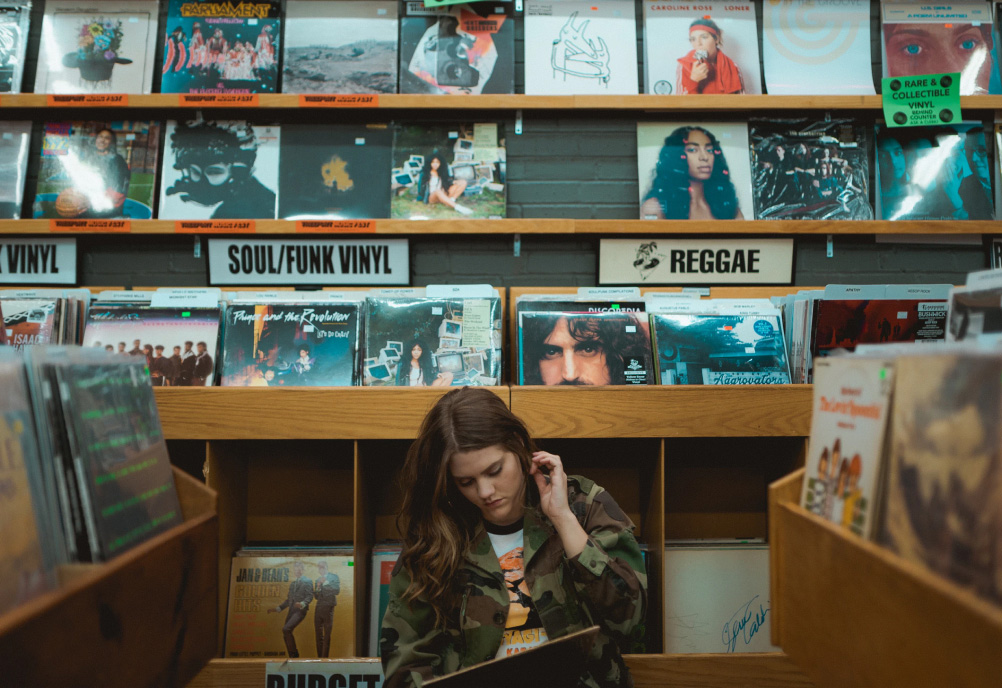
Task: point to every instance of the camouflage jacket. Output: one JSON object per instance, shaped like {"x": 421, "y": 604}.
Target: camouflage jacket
{"x": 605, "y": 585}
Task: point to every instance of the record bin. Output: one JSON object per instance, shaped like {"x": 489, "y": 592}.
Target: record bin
{"x": 145, "y": 618}
{"x": 849, "y": 612}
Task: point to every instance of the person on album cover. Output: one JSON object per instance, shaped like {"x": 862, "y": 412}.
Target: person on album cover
{"x": 419, "y": 370}
{"x": 100, "y": 179}
{"x": 691, "y": 180}
{"x": 175, "y": 362}
{"x": 203, "y": 366}
{"x": 298, "y": 603}
{"x": 976, "y": 188}
{"x": 931, "y": 48}
{"x": 705, "y": 69}
{"x": 121, "y": 349}
{"x": 436, "y": 186}
{"x": 326, "y": 589}
{"x": 137, "y": 349}
{"x": 304, "y": 364}
{"x": 160, "y": 368}
{"x": 187, "y": 364}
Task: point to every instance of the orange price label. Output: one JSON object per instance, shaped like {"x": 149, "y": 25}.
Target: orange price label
{"x": 336, "y": 226}
{"x": 348, "y": 100}
{"x": 89, "y": 100}
{"x": 117, "y": 226}
{"x": 214, "y": 226}
{"x": 218, "y": 99}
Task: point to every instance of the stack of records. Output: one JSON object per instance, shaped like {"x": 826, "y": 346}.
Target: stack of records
{"x": 297, "y": 339}
{"x": 15, "y": 139}
{"x": 42, "y": 316}
{"x": 274, "y": 589}
{"x": 384, "y": 559}
{"x": 14, "y": 19}
{"x": 720, "y": 342}
{"x": 423, "y": 341}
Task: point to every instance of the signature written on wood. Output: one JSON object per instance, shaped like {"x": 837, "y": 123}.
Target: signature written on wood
{"x": 743, "y": 624}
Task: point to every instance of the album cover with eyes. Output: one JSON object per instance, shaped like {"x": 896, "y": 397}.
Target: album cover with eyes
{"x": 14, "y": 19}
{"x": 15, "y": 141}
{"x": 919, "y": 39}
{"x": 457, "y": 49}
{"x": 337, "y": 171}
{"x": 219, "y": 170}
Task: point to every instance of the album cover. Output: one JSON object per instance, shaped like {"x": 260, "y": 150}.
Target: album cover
{"x": 945, "y": 467}
{"x": 213, "y": 47}
{"x": 29, "y": 321}
{"x": 814, "y": 48}
{"x": 348, "y": 46}
{"x": 934, "y": 173}
{"x": 852, "y": 398}
{"x": 14, "y": 20}
{"x": 694, "y": 171}
{"x": 974, "y": 312}
{"x": 609, "y": 348}
{"x": 432, "y": 342}
{"x": 269, "y": 594}
{"x": 219, "y": 170}
{"x": 178, "y": 345}
{"x": 843, "y": 324}
{"x": 384, "y": 558}
{"x": 710, "y": 50}
{"x": 715, "y": 349}
{"x": 97, "y": 46}
{"x": 98, "y": 170}
{"x": 15, "y": 140}
{"x": 811, "y": 169}
{"x": 290, "y": 344}
{"x": 580, "y": 48}
{"x": 338, "y": 171}
{"x": 958, "y": 37}
{"x": 448, "y": 172}
{"x": 565, "y": 303}
{"x": 459, "y": 49}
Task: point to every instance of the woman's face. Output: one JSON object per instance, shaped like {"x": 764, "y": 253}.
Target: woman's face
{"x": 780, "y": 152}
{"x": 703, "y": 40}
{"x": 493, "y": 481}
{"x": 435, "y": 164}
{"x": 103, "y": 141}
{"x": 699, "y": 154}
{"x": 416, "y": 351}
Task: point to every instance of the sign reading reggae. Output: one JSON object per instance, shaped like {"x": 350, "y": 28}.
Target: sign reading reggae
{"x": 921, "y": 100}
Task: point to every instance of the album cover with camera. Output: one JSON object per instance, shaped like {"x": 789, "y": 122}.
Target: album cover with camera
{"x": 15, "y": 143}
{"x": 219, "y": 170}
{"x": 349, "y": 46}
{"x": 806, "y": 169}
{"x": 211, "y": 48}
{"x": 458, "y": 49}
{"x": 710, "y": 50}
{"x": 338, "y": 171}
{"x": 290, "y": 344}
{"x": 101, "y": 46}
{"x": 14, "y": 21}
{"x": 97, "y": 170}
{"x": 606, "y": 348}
{"x": 448, "y": 172}
{"x": 432, "y": 342}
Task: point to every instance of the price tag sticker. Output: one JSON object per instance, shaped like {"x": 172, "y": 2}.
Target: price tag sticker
{"x": 214, "y": 227}
{"x": 218, "y": 99}
{"x": 347, "y": 100}
{"x": 98, "y": 226}
{"x": 88, "y": 100}
{"x": 336, "y": 226}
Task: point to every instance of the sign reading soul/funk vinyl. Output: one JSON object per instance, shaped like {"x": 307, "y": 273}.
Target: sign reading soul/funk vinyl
{"x": 321, "y": 261}
{"x": 695, "y": 261}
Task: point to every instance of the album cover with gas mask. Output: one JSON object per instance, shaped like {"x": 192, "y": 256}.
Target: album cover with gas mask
{"x": 457, "y": 49}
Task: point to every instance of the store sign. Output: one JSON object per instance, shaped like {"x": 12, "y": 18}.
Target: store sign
{"x": 923, "y": 100}
{"x": 38, "y": 261}
{"x": 297, "y": 673}
{"x": 319, "y": 261}
{"x": 695, "y": 261}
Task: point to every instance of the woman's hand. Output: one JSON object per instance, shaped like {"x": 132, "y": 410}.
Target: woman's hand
{"x": 548, "y": 472}
{"x": 700, "y": 71}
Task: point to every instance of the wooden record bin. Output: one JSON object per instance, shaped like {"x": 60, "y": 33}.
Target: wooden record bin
{"x": 851, "y": 613}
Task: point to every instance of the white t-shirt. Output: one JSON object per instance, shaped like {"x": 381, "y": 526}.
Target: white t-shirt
{"x": 524, "y": 628}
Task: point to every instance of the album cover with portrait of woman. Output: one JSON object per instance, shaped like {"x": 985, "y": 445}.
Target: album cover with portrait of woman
{"x": 14, "y": 20}
{"x": 443, "y": 172}
{"x": 97, "y": 170}
{"x": 712, "y": 50}
{"x": 694, "y": 171}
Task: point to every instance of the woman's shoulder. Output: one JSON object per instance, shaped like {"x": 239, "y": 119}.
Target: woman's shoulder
{"x": 593, "y": 504}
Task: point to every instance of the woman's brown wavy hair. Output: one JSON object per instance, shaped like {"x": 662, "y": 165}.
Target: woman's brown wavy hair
{"x": 436, "y": 520}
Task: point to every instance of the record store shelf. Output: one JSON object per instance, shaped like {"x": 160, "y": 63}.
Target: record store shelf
{"x": 501, "y": 226}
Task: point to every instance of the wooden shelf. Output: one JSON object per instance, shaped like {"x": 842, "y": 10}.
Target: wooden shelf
{"x": 850, "y": 612}
{"x": 784, "y": 227}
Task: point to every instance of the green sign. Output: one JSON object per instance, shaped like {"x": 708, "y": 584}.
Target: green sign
{"x": 922, "y": 100}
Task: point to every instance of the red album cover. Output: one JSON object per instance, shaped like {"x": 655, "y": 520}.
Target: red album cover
{"x": 844, "y": 324}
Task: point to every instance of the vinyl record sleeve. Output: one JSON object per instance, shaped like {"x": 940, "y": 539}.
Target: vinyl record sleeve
{"x": 14, "y": 20}
{"x": 607, "y": 348}
{"x": 29, "y": 321}
{"x": 219, "y": 170}
{"x": 712, "y": 349}
{"x": 717, "y": 156}
{"x": 934, "y": 173}
{"x": 102, "y": 46}
{"x": 580, "y": 48}
{"x": 721, "y": 35}
{"x": 384, "y": 558}
{"x": 457, "y": 342}
{"x": 98, "y": 170}
{"x": 290, "y": 345}
{"x": 15, "y": 141}
{"x": 334, "y": 171}
{"x": 213, "y": 47}
{"x": 266, "y": 595}
{"x": 973, "y": 313}
{"x": 448, "y": 172}
{"x": 811, "y": 170}
{"x": 348, "y": 46}
{"x": 813, "y": 48}
{"x": 131, "y": 328}
{"x": 843, "y": 324}
{"x": 460, "y": 49}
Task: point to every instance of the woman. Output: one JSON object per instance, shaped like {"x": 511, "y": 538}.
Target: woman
{"x": 110, "y": 174}
{"x": 419, "y": 370}
{"x": 436, "y": 186}
{"x": 705, "y": 69}
{"x": 691, "y": 180}
{"x": 500, "y": 546}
